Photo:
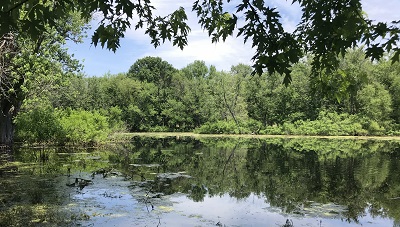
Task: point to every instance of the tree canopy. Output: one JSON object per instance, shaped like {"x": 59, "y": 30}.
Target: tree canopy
{"x": 30, "y": 66}
{"x": 326, "y": 30}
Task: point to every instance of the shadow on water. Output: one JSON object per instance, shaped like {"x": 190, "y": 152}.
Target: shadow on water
{"x": 204, "y": 182}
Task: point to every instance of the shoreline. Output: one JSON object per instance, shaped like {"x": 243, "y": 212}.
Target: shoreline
{"x": 196, "y": 135}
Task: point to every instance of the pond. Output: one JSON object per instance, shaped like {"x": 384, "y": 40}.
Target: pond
{"x": 182, "y": 181}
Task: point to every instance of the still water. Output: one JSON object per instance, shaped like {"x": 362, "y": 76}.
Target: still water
{"x": 181, "y": 181}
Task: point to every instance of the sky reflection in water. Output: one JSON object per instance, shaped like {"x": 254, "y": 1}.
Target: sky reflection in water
{"x": 211, "y": 182}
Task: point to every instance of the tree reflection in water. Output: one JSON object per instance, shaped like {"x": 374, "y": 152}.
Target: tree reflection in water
{"x": 318, "y": 177}
{"x": 312, "y": 178}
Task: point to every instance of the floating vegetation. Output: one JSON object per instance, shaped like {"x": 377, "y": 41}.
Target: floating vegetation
{"x": 328, "y": 210}
{"x": 146, "y": 165}
{"x": 165, "y": 208}
{"x": 172, "y": 176}
{"x": 240, "y": 185}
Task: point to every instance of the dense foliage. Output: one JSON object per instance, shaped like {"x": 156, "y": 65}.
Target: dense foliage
{"x": 32, "y": 67}
{"x": 153, "y": 96}
{"x": 43, "y": 124}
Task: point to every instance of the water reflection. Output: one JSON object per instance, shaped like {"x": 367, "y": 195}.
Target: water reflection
{"x": 348, "y": 179}
{"x": 210, "y": 181}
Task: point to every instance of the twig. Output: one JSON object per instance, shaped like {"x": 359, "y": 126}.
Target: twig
{"x": 16, "y": 6}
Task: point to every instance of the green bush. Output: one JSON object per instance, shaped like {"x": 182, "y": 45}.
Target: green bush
{"x": 251, "y": 126}
{"x": 394, "y": 133}
{"x": 219, "y": 127}
{"x": 327, "y": 124}
{"x": 82, "y": 126}
{"x": 44, "y": 124}
{"x": 114, "y": 118}
{"x": 159, "y": 128}
{"x": 41, "y": 124}
{"x": 375, "y": 129}
{"x": 272, "y": 130}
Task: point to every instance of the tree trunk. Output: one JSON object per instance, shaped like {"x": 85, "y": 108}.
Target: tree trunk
{"x": 7, "y": 113}
{"x": 10, "y": 102}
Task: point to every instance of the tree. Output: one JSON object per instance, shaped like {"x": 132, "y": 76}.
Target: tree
{"x": 96, "y": 92}
{"x": 196, "y": 69}
{"x": 159, "y": 72}
{"x": 355, "y": 70}
{"x": 152, "y": 70}
{"x": 265, "y": 99}
{"x": 72, "y": 93}
{"x": 30, "y": 68}
{"x": 326, "y": 30}
{"x": 388, "y": 75}
{"x": 121, "y": 90}
{"x": 193, "y": 91}
{"x": 228, "y": 92}
{"x": 8, "y": 100}
{"x": 375, "y": 102}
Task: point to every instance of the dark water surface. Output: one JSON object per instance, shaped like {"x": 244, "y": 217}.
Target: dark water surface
{"x": 181, "y": 181}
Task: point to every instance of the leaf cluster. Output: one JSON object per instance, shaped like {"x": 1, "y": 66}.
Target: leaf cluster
{"x": 116, "y": 17}
{"x": 326, "y": 30}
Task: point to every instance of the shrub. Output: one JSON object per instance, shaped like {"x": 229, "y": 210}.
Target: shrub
{"x": 272, "y": 130}
{"x": 375, "y": 129}
{"x": 159, "y": 128}
{"x": 41, "y": 124}
{"x": 327, "y": 124}
{"x": 114, "y": 118}
{"x": 394, "y": 133}
{"x": 219, "y": 127}
{"x": 251, "y": 126}
{"x": 82, "y": 126}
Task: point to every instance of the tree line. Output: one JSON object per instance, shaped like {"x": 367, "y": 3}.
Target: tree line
{"x": 34, "y": 61}
{"x": 360, "y": 98}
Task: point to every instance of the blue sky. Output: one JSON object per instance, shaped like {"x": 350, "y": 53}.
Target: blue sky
{"x": 136, "y": 44}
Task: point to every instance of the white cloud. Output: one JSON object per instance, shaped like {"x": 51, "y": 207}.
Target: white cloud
{"x": 382, "y": 10}
{"x": 221, "y": 55}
